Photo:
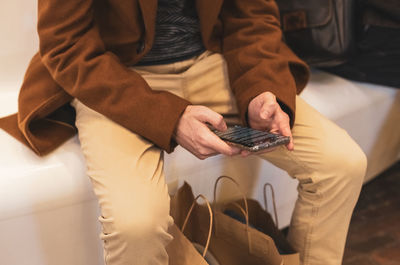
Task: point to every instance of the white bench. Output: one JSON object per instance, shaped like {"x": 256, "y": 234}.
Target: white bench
{"x": 48, "y": 213}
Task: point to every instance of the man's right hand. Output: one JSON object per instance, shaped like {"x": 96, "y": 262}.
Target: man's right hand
{"x": 193, "y": 134}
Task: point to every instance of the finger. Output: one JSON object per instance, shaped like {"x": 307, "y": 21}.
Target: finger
{"x": 281, "y": 124}
{"x": 268, "y": 110}
{"x": 213, "y": 142}
{"x": 269, "y": 105}
{"x": 203, "y": 152}
{"x": 224, "y": 148}
{"x": 213, "y": 118}
{"x": 205, "y": 156}
{"x": 290, "y": 145}
{"x": 234, "y": 149}
{"x": 285, "y": 130}
{"x": 245, "y": 153}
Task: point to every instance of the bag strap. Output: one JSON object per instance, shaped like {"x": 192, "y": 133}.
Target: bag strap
{"x": 246, "y": 208}
{"x": 211, "y": 220}
{"x": 273, "y": 201}
{"x": 245, "y": 211}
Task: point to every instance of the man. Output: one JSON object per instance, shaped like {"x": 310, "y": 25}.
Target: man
{"x": 131, "y": 102}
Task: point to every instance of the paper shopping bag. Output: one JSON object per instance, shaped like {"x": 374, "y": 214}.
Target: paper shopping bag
{"x": 260, "y": 219}
{"x": 231, "y": 242}
{"x": 181, "y": 251}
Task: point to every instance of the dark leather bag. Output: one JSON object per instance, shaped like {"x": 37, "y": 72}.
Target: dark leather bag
{"x": 319, "y": 31}
{"x": 377, "y": 56}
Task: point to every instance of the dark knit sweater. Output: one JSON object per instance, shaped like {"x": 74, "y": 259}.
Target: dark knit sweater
{"x": 177, "y": 35}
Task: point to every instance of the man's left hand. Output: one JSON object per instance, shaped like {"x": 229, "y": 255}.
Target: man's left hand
{"x": 265, "y": 114}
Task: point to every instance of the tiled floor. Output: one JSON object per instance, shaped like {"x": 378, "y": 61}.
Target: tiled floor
{"x": 374, "y": 234}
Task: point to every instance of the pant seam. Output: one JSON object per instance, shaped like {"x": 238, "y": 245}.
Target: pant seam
{"x": 309, "y": 234}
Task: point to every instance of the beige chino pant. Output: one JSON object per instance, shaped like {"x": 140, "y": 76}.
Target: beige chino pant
{"x": 127, "y": 171}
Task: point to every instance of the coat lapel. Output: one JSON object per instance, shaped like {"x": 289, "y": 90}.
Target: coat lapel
{"x": 208, "y": 11}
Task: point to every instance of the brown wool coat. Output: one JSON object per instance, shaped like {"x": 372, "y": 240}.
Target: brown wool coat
{"x": 86, "y": 47}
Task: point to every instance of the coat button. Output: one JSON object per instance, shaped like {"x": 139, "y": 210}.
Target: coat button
{"x": 140, "y": 47}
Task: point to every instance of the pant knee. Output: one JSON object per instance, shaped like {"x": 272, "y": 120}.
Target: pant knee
{"x": 359, "y": 164}
{"x": 143, "y": 228}
{"x": 137, "y": 235}
{"x": 143, "y": 219}
{"x": 351, "y": 164}
{"x": 140, "y": 216}
{"x": 342, "y": 174}
{"x": 340, "y": 170}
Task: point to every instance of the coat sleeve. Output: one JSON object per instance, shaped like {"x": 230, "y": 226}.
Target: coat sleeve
{"x": 258, "y": 60}
{"x": 74, "y": 54}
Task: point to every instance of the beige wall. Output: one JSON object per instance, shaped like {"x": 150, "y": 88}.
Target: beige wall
{"x": 18, "y": 40}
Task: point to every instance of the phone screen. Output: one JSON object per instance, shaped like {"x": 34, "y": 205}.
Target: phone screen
{"x": 250, "y": 139}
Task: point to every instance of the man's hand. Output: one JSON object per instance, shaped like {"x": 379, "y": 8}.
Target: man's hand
{"x": 193, "y": 134}
{"x": 265, "y": 114}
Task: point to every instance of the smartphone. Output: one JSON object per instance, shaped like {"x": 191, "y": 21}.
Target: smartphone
{"x": 250, "y": 139}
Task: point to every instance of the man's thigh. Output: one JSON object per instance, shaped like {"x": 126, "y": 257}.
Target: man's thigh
{"x": 126, "y": 170}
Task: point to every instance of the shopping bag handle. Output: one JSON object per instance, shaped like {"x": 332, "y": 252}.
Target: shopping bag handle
{"x": 211, "y": 220}
{"x": 273, "y": 201}
{"x": 245, "y": 211}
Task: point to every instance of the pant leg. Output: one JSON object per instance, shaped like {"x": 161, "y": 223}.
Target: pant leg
{"x": 127, "y": 177}
{"x": 330, "y": 168}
